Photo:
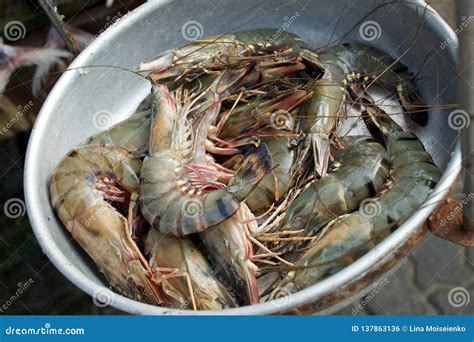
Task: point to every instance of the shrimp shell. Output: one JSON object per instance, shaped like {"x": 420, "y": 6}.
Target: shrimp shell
{"x": 77, "y": 195}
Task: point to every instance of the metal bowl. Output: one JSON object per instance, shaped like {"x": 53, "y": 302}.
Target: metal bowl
{"x": 70, "y": 115}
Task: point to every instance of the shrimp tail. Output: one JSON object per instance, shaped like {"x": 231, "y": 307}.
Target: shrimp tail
{"x": 220, "y": 205}
{"x": 321, "y": 149}
{"x": 230, "y": 252}
{"x": 253, "y": 169}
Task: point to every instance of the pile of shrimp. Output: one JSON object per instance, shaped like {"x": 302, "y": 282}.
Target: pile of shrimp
{"x": 234, "y": 183}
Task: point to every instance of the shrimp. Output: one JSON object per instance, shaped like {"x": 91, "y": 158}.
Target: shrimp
{"x": 185, "y": 275}
{"x": 263, "y": 55}
{"x": 180, "y": 191}
{"x": 413, "y": 176}
{"x": 345, "y": 67}
{"x": 231, "y": 252}
{"x": 322, "y": 114}
{"x": 133, "y": 135}
{"x": 89, "y": 188}
{"x": 200, "y": 55}
{"x": 367, "y": 65}
{"x": 277, "y": 55}
{"x": 362, "y": 168}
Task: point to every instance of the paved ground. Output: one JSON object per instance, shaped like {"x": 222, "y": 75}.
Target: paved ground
{"x": 438, "y": 278}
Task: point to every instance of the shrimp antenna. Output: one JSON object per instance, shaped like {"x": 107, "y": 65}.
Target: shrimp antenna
{"x": 337, "y": 24}
{"x": 410, "y": 45}
{"x": 77, "y": 68}
{"x": 425, "y": 60}
{"x": 343, "y": 37}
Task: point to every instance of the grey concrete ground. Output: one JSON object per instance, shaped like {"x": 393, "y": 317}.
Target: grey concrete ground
{"x": 438, "y": 278}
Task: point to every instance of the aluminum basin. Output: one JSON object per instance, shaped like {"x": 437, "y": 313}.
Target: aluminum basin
{"x": 69, "y": 114}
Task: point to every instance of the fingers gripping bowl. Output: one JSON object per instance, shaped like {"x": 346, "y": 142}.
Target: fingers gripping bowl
{"x": 74, "y": 108}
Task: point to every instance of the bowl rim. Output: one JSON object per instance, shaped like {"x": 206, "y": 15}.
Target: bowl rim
{"x": 317, "y": 291}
